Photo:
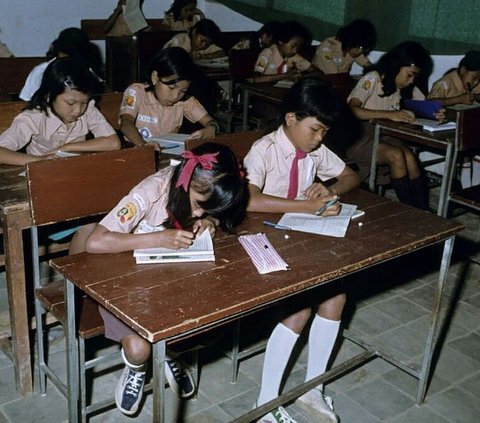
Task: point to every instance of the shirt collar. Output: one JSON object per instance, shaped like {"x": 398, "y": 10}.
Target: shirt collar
{"x": 285, "y": 145}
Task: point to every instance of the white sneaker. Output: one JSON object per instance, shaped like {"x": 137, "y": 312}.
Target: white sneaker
{"x": 318, "y": 405}
{"x": 278, "y": 415}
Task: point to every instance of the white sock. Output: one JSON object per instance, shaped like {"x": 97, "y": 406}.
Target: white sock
{"x": 321, "y": 340}
{"x": 136, "y": 367}
{"x": 279, "y": 348}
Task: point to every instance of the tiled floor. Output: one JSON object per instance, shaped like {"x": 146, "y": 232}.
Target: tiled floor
{"x": 389, "y": 303}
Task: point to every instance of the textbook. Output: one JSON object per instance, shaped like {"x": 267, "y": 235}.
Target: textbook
{"x": 423, "y": 108}
{"x": 200, "y": 250}
{"x": 170, "y": 143}
{"x": 435, "y": 125}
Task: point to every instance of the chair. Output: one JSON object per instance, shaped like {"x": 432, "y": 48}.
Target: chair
{"x": 83, "y": 186}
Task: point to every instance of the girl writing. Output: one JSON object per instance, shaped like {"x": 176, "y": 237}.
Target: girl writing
{"x": 159, "y": 106}
{"x": 168, "y": 209}
{"x": 58, "y": 118}
{"x": 182, "y": 15}
{"x": 281, "y": 169}
{"x": 377, "y": 95}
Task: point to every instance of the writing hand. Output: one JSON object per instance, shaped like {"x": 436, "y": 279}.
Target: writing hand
{"x": 440, "y": 115}
{"x": 402, "y": 116}
{"x": 316, "y": 190}
{"x": 209, "y": 223}
{"x": 175, "y": 238}
{"x": 324, "y": 206}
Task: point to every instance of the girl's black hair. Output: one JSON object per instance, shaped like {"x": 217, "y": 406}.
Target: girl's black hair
{"x": 60, "y": 75}
{"x": 290, "y": 29}
{"x": 408, "y": 53}
{"x": 177, "y": 6}
{"x": 225, "y": 189}
{"x": 207, "y": 28}
{"x": 311, "y": 98}
{"x": 358, "y": 33}
{"x": 471, "y": 61}
{"x": 271, "y": 28}
{"x": 171, "y": 61}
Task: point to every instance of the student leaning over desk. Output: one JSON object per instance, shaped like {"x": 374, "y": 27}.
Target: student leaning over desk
{"x": 281, "y": 169}
{"x": 58, "y": 118}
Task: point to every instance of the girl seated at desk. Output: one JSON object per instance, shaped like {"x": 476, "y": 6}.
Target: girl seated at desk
{"x": 460, "y": 85}
{"x": 378, "y": 95}
{"x": 58, "y": 118}
{"x": 182, "y": 15}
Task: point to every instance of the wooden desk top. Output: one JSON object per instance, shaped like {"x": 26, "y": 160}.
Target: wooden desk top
{"x": 13, "y": 189}
{"x": 265, "y": 90}
{"x": 166, "y": 301}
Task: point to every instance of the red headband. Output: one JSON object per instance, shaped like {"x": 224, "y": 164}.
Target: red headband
{"x": 206, "y": 160}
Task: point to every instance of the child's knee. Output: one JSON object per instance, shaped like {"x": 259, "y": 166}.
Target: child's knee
{"x": 137, "y": 349}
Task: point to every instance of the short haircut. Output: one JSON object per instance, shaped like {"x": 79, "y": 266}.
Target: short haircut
{"x": 291, "y": 29}
{"x": 358, "y": 33}
{"x": 271, "y": 28}
{"x": 177, "y": 6}
{"x": 207, "y": 28}
{"x": 471, "y": 61}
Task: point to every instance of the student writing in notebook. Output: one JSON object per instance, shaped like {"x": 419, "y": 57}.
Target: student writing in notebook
{"x": 281, "y": 169}
{"x": 159, "y": 105}
{"x": 460, "y": 85}
{"x": 168, "y": 209}
{"x": 58, "y": 118}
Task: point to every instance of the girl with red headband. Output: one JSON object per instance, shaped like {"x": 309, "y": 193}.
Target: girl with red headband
{"x": 168, "y": 209}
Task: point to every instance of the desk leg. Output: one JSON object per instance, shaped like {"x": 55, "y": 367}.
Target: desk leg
{"x": 159, "y": 356}
{"x": 72, "y": 354}
{"x": 246, "y": 100}
{"x": 434, "y": 321}
{"x": 17, "y": 300}
{"x": 373, "y": 164}
{"x": 448, "y": 173}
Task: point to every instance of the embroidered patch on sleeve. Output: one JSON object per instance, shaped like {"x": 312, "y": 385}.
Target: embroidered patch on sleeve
{"x": 328, "y": 55}
{"x": 261, "y": 64}
{"x": 129, "y": 98}
{"x": 366, "y": 84}
{"x": 126, "y": 212}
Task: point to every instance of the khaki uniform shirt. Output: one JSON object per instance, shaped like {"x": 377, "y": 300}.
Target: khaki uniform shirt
{"x": 184, "y": 41}
{"x": 450, "y": 86}
{"x": 271, "y": 62}
{"x": 42, "y": 134}
{"x": 269, "y": 161}
{"x": 4, "y": 51}
{"x": 329, "y": 57}
{"x": 144, "y": 209}
{"x": 369, "y": 89}
{"x": 151, "y": 118}
{"x": 180, "y": 25}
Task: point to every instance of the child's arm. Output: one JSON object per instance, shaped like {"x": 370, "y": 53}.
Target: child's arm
{"x": 465, "y": 98}
{"x": 210, "y": 129}
{"x": 128, "y": 128}
{"x": 361, "y": 113}
{"x": 345, "y": 182}
{"x": 113, "y": 17}
{"x": 11, "y": 157}
{"x": 108, "y": 143}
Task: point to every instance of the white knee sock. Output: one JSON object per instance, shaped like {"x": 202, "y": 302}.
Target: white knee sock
{"x": 279, "y": 348}
{"x": 135, "y": 367}
{"x": 321, "y": 340}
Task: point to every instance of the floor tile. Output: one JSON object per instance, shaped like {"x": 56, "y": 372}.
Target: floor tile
{"x": 455, "y": 405}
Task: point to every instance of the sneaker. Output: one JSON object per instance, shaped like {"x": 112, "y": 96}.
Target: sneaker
{"x": 318, "y": 405}
{"x": 179, "y": 379}
{"x": 278, "y": 415}
{"x": 129, "y": 391}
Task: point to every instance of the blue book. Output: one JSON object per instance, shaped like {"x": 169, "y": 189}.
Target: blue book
{"x": 423, "y": 108}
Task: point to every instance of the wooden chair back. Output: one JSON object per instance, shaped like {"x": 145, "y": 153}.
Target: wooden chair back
{"x": 14, "y": 72}
{"x": 8, "y": 111}
{"x": 468, "y": 129}
{"x": 109, "y": 104}
{"x": 86, "y": 185}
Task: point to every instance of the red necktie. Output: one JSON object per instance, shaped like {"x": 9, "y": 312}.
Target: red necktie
{"x": 282, "y": 68}
{"x": 293, "y": 183}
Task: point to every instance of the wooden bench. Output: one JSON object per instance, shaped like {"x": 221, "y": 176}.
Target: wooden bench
{"x": 13, "y": 73}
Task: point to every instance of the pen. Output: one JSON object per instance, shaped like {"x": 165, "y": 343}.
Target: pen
{"x": 276, "y": 225}
{"x": 326, "y": 206}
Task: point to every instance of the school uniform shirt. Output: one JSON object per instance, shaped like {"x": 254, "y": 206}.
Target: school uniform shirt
{"x": 33, "y": 81}
{"x": 450, "y": 86}
{"x": 42, "y": 134}
{"x": 329, "y": 57}
{"x": 4, "y": 51}
{"x": 269, "y": 161}
{"x": 184, "y": 41}
{"x": 151, "y": 118}
{"x": 180, "y": 25}
{"x": 144, "y": 208}
{"x": 369, "y": 90}
{"x": 271, "y": 62}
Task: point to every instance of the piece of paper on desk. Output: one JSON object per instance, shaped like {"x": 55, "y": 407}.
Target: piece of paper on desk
{"x": 322, "y": 225}
{"x": 218, "y": 62}
{"x": 64, "y": 154}
{"x": 171, "y": 143}
{"x": 434, "y": 125}
{"x": 265, "y": 258}
{"x": 284, "y": 83}
{"x": 133, "y": 16}
{"x": 200, "y": 250}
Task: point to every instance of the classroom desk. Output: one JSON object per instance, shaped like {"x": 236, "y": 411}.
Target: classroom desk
{"x": 164, "y": 302}
{"x": 14, "y": 218}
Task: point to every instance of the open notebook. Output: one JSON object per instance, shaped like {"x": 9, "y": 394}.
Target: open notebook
{"x": 434, "y": 125}
{"x": 171, "y": 143}
{"x": 200, "y": 250}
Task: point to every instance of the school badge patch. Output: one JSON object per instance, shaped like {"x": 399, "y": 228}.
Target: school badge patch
{"x": 127, "y": 212}
{"x": 328, "y": 55}
{"x": 366, "y": 85}
{"x": 129, "y": 98}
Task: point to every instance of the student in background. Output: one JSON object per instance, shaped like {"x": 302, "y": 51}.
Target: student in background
{"x": 71, "y": 42}
{"x": 378, "y": 95}
{"x": 182, "y": 15}
{"x": 265, "y": 37}
{"x": 58, "y": 118}
{"x": 281, "y": 169}
{"x": 199, "y": 42}
{"x": 281, "y": 60}
{"x": 351, "y": 44}
{"x": 158, "y": 106}
{"x": 168, "y": 209}
{"x": 460, "y": 85}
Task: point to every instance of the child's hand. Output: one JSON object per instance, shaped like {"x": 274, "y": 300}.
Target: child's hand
{"x": 175, "y": 238}
{"x": 440, "y": 115}
{"x": 207, "y": 132}
{"x": 466, "y": 98}
{"x": 316, "y": 190}
{"x": 333, "y": 210}
{"x": 209, "y": 223}
{"x": 402, "y": 116}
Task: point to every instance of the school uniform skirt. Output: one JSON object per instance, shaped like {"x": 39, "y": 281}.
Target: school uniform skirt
{"x": 115, "y": 329}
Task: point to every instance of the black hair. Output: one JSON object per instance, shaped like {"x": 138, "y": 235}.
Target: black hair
{"x": 358, "y": 33}
{"x": 408, "y": 53}
{"x": 471, "y": 61}
{"x": 207, "y": 28}
{"x": 311, "y": 97}
{"x": 290, "y": 29}
{"x": 177, "y": 6}
{"x": 171, "y": 61}
{"x": 224, "y": 186}
{"x": 270, "y": 28}
{"x": 60, "y": 75}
